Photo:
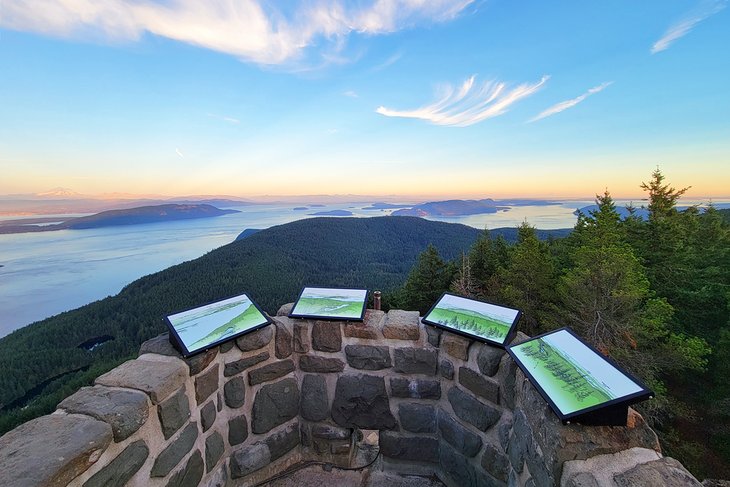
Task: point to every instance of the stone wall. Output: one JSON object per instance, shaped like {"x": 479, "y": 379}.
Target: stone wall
{"x": 302, "y": 390}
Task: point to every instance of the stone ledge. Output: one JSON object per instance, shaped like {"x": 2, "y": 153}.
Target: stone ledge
{"x": 620, "y": 468}
{"x": 159, "y": 379}
{"x": 51, "y": 450}
{"x": 125, "y": 410}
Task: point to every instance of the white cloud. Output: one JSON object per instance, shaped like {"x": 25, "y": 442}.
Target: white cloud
{"x": 684, "y": 26}
{"x": 177, "y": 151}
{"x": 351, "y": 94}
{"x": 224, "y": 118}
{"x": 388, "y": 62}
{"x": 252, "y": 30}
{"x": 469, "y": 104}
{"x": 564, "y": 105}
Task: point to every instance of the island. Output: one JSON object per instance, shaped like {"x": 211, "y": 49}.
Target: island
{"x": 111, "y": 218}
{"x": 333, "y": 213}
{"x": 385, "y": 206}
{"x": 452, "y": 208}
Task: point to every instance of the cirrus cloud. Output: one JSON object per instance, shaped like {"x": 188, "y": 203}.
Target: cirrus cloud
{"x": 685, "y": 25}
{"x": 469, "y": 104}
{"x": 252, "y": 30}
{"x": 564, "y": 105}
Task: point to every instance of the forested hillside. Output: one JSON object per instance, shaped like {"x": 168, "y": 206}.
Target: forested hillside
{"x": 44, "y": 362}
{"x": 653, "y": 293}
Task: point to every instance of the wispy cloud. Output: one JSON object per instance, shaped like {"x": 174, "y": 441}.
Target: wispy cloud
{"x": 179, "y": 153}
{"x": 685, "y": 25}
{"x": 564, "y": 105}
{"x": 351, "y": 94}
{"x": 224, "y": 118}
{"x": 468, "y": 104}
{"x": 252, "y": 30}
{"x": 388, "y": 62}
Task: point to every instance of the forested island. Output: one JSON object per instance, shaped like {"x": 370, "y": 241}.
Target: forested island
{"x": 110, "y": 218}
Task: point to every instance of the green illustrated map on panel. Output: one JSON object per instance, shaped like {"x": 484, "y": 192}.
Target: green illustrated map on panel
{"x": 335, "y": 303}
{"x": 476, "y": 318}
{"x": 199, "y": 327}
{"x": 570, "y": 373}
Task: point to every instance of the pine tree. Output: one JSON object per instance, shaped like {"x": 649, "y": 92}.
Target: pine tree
{"x": 428, "y": 279}
{"x": 529, "y": 280}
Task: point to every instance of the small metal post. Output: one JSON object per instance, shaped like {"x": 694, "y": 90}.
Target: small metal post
{"x": 376, "y": 300}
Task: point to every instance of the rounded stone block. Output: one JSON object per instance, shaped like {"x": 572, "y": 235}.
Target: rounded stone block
{"x": 479, "y": 385}
{"x": 275, "y": 404}
{"x": 417, "y": 418}
{"x": 488, "y": 359}
{"x": 473, "y": 411}
{"x": 313, "y": 363}
{"x": 122, "y": 468}
{"x": 51, "y": 450}
{"x": 214, "y": 448}
{"x": 238, "y": 366}
{"x": 326, "y": 336}
{"x": 156, "y": 378}
{"x": 283, "y": 341}
{"x": 362, "y": 402}
{"x": 458, "y": 436}
{"x": 175, "y": 451}
{"x": 402, "y": 325}
{"x": 455, "y": 345}
{"x": 173, "y": 412}
{"x": 248, "y": 459}
{"x": 206, "y": 384}
{"x": 368, "y": 357}
{"x": 161, "y": 346}
{"x": 256, "y": 339}
{"x": 409, "y": 448}
{"x": 234, "y": 392}
{"x": 237, "y": 430}
{"x": 410, "y": 360}
{"x": 270, "y": 372}
{"x": 125, "y": 410}
{"x": 315, "y": 400}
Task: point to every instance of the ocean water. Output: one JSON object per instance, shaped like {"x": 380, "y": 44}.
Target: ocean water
{"x": 46, "y": 273}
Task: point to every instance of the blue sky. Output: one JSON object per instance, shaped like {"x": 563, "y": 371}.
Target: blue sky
{"x": 390, "y": 97}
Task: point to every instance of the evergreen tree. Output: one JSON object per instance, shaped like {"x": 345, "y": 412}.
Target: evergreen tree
{"x": 529, "y": 280}
{"x": 487, "y": 257}
{"x": 428, "y": 279}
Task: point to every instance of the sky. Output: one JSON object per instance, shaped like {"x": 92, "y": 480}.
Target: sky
{"x": 443, "y": 98}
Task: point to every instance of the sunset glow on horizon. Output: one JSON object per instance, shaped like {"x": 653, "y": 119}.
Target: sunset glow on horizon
{"x": 442, "y": 99}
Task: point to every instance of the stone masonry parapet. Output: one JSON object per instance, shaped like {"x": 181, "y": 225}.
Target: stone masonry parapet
{"x": 301, "y": 390}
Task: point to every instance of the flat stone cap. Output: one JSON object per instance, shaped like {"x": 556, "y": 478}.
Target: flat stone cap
{"x": 158, "y": 379}
{"x": 125, "y": 410}
{"x": 51, "y": 450}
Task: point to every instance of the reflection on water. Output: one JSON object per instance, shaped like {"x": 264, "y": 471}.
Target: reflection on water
{"x": 46, "y": 273}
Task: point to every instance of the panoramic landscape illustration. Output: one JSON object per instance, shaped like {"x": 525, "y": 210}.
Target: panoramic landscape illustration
{"x": 201, "y": 327}
{"x": 481, "y": 320}
{"x": 572, "y": 375}
{"x": 341, "y": 304}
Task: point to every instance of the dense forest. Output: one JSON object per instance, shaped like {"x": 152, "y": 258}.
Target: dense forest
{"x": 653, "y": 293}
{"x": 44, "y": 362}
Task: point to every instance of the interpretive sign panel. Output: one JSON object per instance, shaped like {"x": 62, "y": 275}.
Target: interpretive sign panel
{"x": 475, "y": 319}
{"x": 201, "y": 328}
{"x": 573, "y": 377}
{"x": 330, "y": 304}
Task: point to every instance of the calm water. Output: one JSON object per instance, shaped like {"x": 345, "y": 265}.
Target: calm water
{"x": 44, "y": 274}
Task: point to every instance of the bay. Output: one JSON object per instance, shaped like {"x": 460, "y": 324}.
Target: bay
{"x": 46, "y": 273}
